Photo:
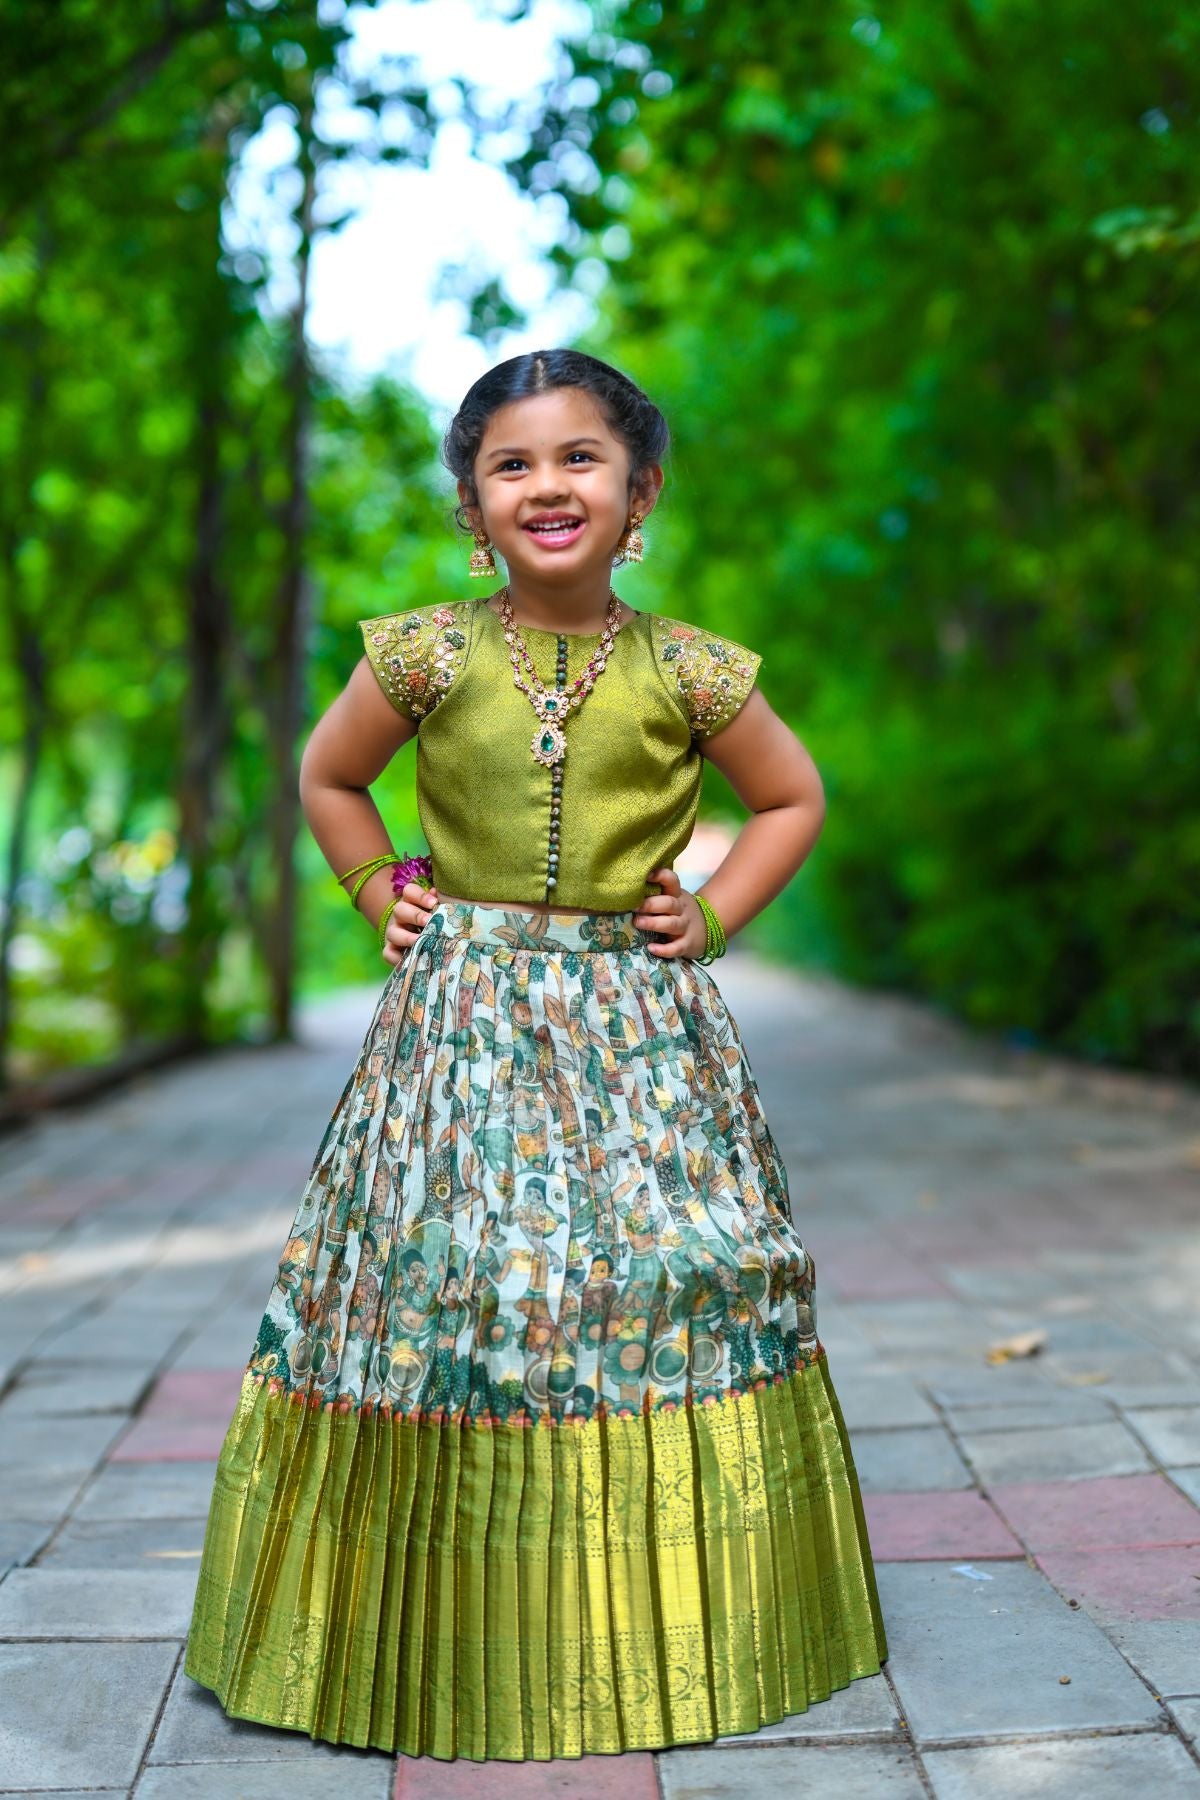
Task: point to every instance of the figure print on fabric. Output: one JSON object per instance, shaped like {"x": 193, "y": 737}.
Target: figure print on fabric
{"x": 568, "y": 1205}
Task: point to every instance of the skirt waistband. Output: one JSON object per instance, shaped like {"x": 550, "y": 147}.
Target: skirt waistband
{"x": 524, "y": 928}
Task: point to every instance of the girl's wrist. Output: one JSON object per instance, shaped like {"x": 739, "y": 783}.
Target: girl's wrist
{"x": 374, "y": 895}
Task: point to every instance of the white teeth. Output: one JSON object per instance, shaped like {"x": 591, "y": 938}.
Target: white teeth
{"x": 559, "y": 526}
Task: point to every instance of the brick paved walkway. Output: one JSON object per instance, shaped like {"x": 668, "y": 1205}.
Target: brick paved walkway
{"x": 1036, "y": 1521}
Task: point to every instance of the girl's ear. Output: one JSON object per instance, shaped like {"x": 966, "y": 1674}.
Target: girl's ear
{"x": 648, "y": 487}
{"x": 469, "y": 506}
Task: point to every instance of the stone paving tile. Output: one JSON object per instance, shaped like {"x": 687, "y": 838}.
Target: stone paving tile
{"x": 44, "y": 1463}
{"x": 1056, "y": 1409}
{"x": 75, "y": 1715}
{"x": 39, "y": 1500}
{"x": 195, "y": 1393}
{"x": 179, "y": 1490}
{"x": 20, "y": 1539}
{"x": 1185, "y": 1714}
{"x": 866, "y": 1708}
{"x": 865, "y": 1271}
{"x": 1165, "y": 1652}
{"x": 160, "y": 1440}
{"x": 102, "y": 1603}
{"x": 843, "y": 1771}
{"x": 195, "y": 1728}
{"x": 44, "y": 1392}
{"x": 38, "y": 1449}
{"x": 1091, "y": 1369}
{"x": 628, "y": 1776}
{"x": 876, "y": 1402}
{"x": 119, "y": 1337}
{"x": 366, "y": 1777}
{"x": 217, "y": 1340}
{"x": 1159, "y": 1583}
{"x": 1151, "y": 1396}
{"x": 1102, "y": 1768}
{"x": 1098, "y": 1515}
{"x": 919, "y": 1331}
{"x": 923, "y": 1458}
{"x": 1188, "y": 1482}
{"x": 1096, "y": 1337}
{"x": 974, "y": 1657}
{"x": 999, "y": 1384}
{"x": 125, "y": 1544}
{"x": 934, "y": 1526}
{"x": 1171, "y": 1434}
{"x": 1071, "y": 1452}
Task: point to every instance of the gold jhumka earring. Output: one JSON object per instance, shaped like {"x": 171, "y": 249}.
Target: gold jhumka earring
{"x": 482, "y": 561}
{"x": 635, "y": 543}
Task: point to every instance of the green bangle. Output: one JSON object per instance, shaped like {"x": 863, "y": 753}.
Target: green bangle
{"x": 715, "y": 942}
{"x": 381, "y": 928}
{"x": 370, "y": 862}
{"x": 380, "y": 863}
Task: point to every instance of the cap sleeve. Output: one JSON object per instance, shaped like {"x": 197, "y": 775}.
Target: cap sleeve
{"x": 715, "y": 676}
{"x": 415, "y": 655}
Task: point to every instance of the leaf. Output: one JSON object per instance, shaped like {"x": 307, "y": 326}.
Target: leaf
{"x": 1025, "y": 1343}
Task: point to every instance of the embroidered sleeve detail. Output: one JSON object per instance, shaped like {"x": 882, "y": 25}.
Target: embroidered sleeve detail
{"x": 415, "y": 655}
{"x": 714, "y": 675}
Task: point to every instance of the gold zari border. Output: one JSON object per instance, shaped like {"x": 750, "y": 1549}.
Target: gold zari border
{"x": 524, "y": 1594}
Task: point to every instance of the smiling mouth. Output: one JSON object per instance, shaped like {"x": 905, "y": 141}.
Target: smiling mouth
{"x": 556, "y": 531}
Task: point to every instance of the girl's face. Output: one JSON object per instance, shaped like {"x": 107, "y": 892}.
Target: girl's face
{"x": 552, "y": 480}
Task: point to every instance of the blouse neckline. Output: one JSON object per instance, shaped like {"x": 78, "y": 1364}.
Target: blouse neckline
{"x": 544, "y": 631}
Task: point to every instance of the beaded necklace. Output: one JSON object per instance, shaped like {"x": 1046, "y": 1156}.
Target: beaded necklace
{"x": 549, "y": 743}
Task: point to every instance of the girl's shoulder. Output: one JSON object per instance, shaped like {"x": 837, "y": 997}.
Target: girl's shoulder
{"x": 417, "y": 653}
{"x": 713, "y": 675}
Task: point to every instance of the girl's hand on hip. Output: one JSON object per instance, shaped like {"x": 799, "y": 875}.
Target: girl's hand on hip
{"x": 675, "y": 912}
{"x": 408, "y": 920}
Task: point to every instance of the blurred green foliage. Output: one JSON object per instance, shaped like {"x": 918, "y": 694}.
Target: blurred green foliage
{"x": 917, "y": 290}
{"x": 192, "y": 516}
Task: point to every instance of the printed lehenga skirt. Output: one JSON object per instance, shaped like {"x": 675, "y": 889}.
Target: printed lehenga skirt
{"x": 536, "y": 1453}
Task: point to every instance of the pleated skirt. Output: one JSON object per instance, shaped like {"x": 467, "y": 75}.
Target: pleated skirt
{"x": 537, "y": 1452}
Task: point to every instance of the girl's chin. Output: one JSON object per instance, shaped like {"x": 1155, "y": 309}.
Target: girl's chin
{"x": 570, "y": 564}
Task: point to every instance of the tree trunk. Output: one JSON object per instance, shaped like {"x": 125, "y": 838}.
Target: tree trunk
{"x": 291, "y": 629}
{"x": 206, "y": 716}
{"x": 29, "y": 652}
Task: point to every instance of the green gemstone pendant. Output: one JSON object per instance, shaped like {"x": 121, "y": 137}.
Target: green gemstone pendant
{"x": 549, "y": 744}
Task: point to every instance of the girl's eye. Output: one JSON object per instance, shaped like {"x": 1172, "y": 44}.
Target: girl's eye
{"x": 515, "y": 461}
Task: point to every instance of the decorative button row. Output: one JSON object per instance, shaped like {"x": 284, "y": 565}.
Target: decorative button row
{"x": 556, "y": 775}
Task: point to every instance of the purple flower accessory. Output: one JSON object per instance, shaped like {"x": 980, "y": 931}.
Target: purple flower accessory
{"x": 413, "y": 868}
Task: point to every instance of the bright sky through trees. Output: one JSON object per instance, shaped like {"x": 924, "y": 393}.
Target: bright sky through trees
{"x": 375, "y": 304}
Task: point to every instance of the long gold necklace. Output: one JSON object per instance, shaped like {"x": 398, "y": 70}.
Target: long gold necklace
{"x": 549, "y": 743}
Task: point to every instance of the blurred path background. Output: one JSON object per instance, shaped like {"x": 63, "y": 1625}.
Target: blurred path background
{"x": 1036, "y": 1517}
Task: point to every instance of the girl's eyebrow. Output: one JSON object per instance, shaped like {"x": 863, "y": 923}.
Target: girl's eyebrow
{"x": 520, "y": 450}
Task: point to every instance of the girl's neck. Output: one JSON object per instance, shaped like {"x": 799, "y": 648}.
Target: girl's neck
{"x": 582, "y": 610}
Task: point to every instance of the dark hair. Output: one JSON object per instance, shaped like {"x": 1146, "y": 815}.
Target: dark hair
{"x": 628, "y": 412}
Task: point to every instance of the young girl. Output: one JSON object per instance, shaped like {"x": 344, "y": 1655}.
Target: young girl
{"x": 537, "y": 1453}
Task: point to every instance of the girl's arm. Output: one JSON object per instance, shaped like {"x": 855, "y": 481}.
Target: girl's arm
{"x": 350, "y": 746}
{"x": 774, "y": 776}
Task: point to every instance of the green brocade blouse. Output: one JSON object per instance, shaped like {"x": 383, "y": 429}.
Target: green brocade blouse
{"x": 632, "y": 771}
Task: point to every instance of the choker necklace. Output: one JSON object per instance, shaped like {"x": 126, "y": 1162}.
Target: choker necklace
{"x": 549, "y": 744}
